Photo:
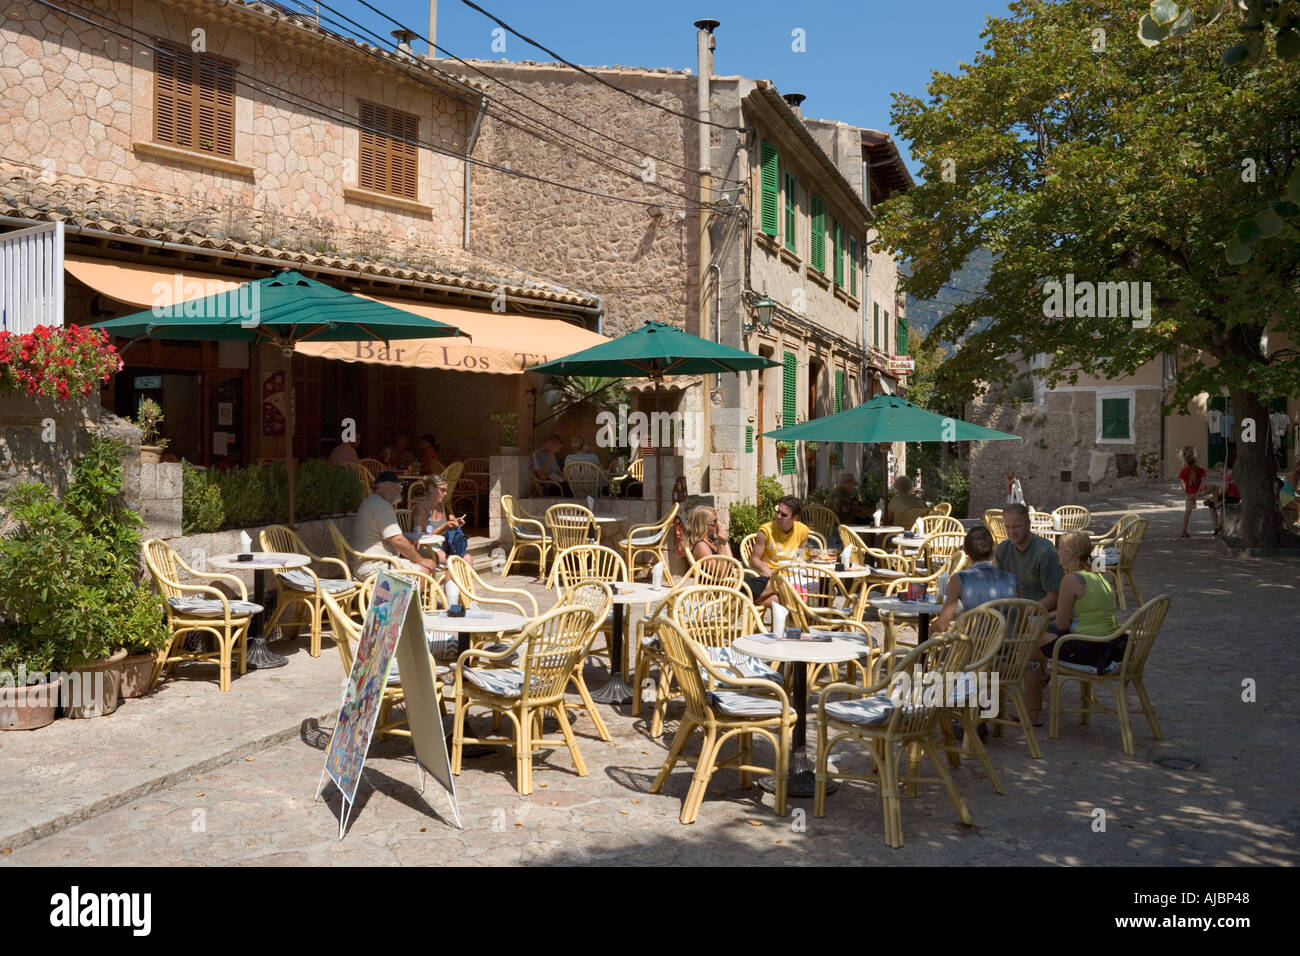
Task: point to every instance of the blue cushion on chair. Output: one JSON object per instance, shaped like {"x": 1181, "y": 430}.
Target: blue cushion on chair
{"x": 737, "y": 704}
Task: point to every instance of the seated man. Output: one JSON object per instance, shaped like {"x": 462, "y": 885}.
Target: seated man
{"x": 978, "y": 584}
{"x": 375, "y": 530}
{"x": 398, "y": 455}
{"x": 1030, "y": 558}
{"x": 846, "y": 504}
{"x": 903, "y": 499}
{"x": 778, "y": 539}
{"x": 581, "y": 451}
{"x": 546, "y": 468}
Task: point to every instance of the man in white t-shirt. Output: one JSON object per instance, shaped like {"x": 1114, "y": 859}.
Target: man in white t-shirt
{"x": 375, "y": 530}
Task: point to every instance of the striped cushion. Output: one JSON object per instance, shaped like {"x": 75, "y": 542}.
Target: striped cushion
{"x": 743, "y": 664}
{"x": 504, "y": 682}
{"x": 862, "y": 710}
{"x": 211, "y": 607}
{"x": 527, "y": 535}
{"x": 1112, "y": 668}
{"x": 444, "y": 645}
{"x": 300, "y": 580}
{"x": 644, "y": 540}
{"x": 737, "y": 704}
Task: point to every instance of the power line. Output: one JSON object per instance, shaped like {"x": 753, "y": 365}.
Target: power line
{"x": 579, "y": 123}
{"x": 586, "y": 72}
{"x": 344, "y": 119}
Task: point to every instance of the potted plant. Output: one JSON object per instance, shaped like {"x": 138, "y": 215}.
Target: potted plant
{"x": 143, "y": 634}
{"x": 782, "y": 448}
{"x": 509, "y": 425}
{"x": 149, "y": 419}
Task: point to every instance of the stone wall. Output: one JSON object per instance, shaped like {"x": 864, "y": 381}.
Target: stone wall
{"x": 1054, "y": 458}
{"x": 160, "y": 499}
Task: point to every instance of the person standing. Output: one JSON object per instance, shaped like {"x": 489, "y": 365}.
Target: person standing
{"x": 1193, "y": 478}
{"x": 1031, "y": 558}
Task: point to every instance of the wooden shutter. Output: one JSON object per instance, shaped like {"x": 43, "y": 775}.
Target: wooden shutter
{"x": 749, "y": 439}
{"x": 194, "y": 100}
{"x": 839, "y": 255}
{"x": 390, "y": 156}
{"x": 817, "y": 243}
{"x": 1114, "y": 418}
{"x": 306, "y": 407}
{"x": 875, "y": 324}
{"x": 853, "y": 266}
{"x": 902, "y": 335}
{"x": 789, "y": 405}
{"x": 791, "y": 216}
{"x": 837, "y": 448}
{"x": 770, "y": 186}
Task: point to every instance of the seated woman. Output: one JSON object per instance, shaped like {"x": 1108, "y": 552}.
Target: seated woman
{"x": 1288, "y": 499}
{"x": 1086, "y": 605}
{"x": 429, "y": 516}
{"x": 705, "y": 536}
{"x": 978, "y": 584}
{"x": 1223, "y": 493}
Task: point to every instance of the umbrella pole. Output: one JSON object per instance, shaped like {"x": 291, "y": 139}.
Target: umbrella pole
{"x": 659, "y": 483}
{"x": 288, "y": 431}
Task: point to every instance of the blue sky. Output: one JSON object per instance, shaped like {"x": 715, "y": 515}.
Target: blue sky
{"x": 857, "y": 53}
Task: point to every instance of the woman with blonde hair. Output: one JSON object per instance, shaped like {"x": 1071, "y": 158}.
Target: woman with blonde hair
{"x": 705, "y": 536}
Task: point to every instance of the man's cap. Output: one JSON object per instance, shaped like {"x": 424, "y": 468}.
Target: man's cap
{"x": 388, "y": 476}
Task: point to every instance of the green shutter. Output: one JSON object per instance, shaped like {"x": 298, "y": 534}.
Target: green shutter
{"x": 1114, "y": 418}
{"x": 749, "y": 439}
{"x": 837, "y": 449}
{"x": 817, "y": 245}
{"x": 770, "y": 181}
{"x": 839, "y": 255}
{"x": 853, "y": 267}
{"x": 789, "y": 406}
{"x": 875, "y": 324}
{"x": 791, "y": 218}
{"x": 902, "y": 335}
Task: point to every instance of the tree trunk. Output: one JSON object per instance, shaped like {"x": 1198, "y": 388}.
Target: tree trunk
{"x": 1254, "y": 472}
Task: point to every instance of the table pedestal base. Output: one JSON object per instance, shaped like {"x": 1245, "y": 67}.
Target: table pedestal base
{"x": 803, "y": 778}
{"x": 259, "y": 655}
{"x": 615, "y": 691}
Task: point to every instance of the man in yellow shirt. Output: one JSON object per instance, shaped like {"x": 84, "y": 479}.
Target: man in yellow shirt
{"x": 781, "y": 537}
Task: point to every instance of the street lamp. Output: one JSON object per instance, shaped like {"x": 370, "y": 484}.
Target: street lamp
{"x": 764, "y": 309}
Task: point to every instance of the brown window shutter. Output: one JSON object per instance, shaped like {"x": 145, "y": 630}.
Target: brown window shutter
{"x": 194, "y": 100}
{"x": 389, "y": 151}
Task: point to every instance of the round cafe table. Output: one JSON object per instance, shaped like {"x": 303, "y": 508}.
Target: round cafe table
{"x": 482, "y": 622}
{"x": 616, "y": 690}
{"x": 921, "y": 610}
{"x": 803, "y": 775}
{"x": 866, "y": 529}
{"x": 259, "y": 655}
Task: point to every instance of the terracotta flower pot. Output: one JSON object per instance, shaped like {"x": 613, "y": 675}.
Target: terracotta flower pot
{"x": 508, "y": 450}
{"x": 150, "y": 454}
{"x": 96, "y": 688}
{"x": 136, "y": 671}
{"x": 28, "y": 708}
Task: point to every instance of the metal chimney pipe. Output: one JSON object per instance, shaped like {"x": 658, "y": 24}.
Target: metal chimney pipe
{"x": 404, "y": 38}
{"x": 796, "y": 101}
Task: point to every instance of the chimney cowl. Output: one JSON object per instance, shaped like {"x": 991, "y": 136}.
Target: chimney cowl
{"x": 794, "y": 99}
{"x": 709, "y": 25}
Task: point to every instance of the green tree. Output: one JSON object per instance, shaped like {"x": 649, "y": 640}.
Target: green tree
{"x": 1110, "y": 162}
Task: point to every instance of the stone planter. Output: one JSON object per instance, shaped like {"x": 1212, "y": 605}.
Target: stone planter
{"x": 508, "y": 450}
{"x": 136, "y": 671}
{"x": 150, "y": 454}
{"x": 96, "y": 688}
{"x": 28, "y": 708}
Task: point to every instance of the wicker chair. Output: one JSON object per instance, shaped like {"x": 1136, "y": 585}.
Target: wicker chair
{"x": 943, "y": 508}
{"x": 941, "y": 524}
{"x": 1110, "y": 537}
{"x": 649, "y": 539}
{"x": 597, "y": 597}
{"x": 372, "y": 465}
{"x": 404, "y": 520}
{"x": 199, "y": 608}
{"x": 747, "y": 548}
{"x": 585, "y": 478}
{"x": 1072, "y": 517}
{"x": 889, "y": 717}
{"x": 936, "y": 549}
{"x": 300, "y": 589}
{"x": 473, "y": 589}
{"x": 821, "y": 519}
{"x": 909, "y": 517}
{"x": 549, "y": 649}
{"x": 1026, "y": 623}
{"x": 415, "y": 491}
{"x": 569, "y": 526}
{"x": 1142, "y": 629}
{"x": 475, "y": 484}
{"x": 526, "y": 532}
{"x": 621, "y": 485}
{"x": 363, "y": 475}
{"x": 956, "y": 562}
{"x": 1040, "y": 521}
{"x": 818, "y": 600}
{"x": 354, "y": 558}
{"x": 993, "y": 521}
{"x": 717, "y": 569}
{"x": 986, "y": 629}
{"x": 1120, "y": 571}
{"x": 592, "y": 562}
{"x": 740, "y": 707}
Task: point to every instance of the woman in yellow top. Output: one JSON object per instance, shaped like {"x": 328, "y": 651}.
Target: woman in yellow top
{"x": 1085, "y": 605}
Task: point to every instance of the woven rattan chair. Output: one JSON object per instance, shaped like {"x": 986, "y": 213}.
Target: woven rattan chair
{"x": 738, "y": 707}
{"x": 592, "y": 562}
{"x": 943, "y": 508}
{"x": 993, "y": 521}
{"x": 889, "y": 717}
{"x": 548, "y": 651}
{"x": 201, "y": 609}
{"x": 1142, "y": 629}
{"x": 909, "y": 517}
{"x": 818, "y": 600}
{"x": 372, "y": 465}
{"x": 527, "y": 533}
{"x": 747, "y": 548}
{"x": 569, "y": 526}
{"x": 363, "y": 475}
{"x": 404, "y": 519}
{"x": 1121, "y": 570}
{"x": 820, "y": 519}
{"x": 475, "y": 483}
{"x": 300, "y": 589}
{"x": 415, "y": 491}
{"x": 597, "y": 597}
{"x": 940, "y": 524}
{"x": 1040, "y": 521}
{"x": 650, "y": 539}
{"x": 354, "y": 558}
{"x": 956, "y": 562}
{"x": 473, "y": 589}
{"x": 717, "y": 569}
{"x": 585, "y": 478}
{"x": 1110, "y": 537}
{"x": 986, "y": 629}
{"x": 622, "y": 484}
{"x": 937, "y": 549}
{"x": 1026, "y": 623}
{"x": 1072, "y": 517}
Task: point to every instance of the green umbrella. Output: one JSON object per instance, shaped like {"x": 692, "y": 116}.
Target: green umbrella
{"x": 283, "y": 310}
{"x": 885, "y": 419}
{"x": 653, "y": 351}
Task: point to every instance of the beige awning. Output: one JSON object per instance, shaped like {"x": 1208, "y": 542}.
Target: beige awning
{"x": 502, "y": 344}
{"x": 146, "y": 286}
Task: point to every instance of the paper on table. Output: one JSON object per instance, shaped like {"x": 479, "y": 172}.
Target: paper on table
{"x": 453, "y": 593}
{"x": 591, "y": 503}
{"x": 779, "y": 614}
{"x": 878, "y": 515}
{"x": 657, "y": 575}
{"x": 245, "y": 543}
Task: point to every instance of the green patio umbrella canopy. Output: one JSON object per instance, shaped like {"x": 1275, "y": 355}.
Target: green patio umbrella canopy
{"x": 885, "y": 419}
{"x": 653, "y": 351}
{"x": 283, "y": 310}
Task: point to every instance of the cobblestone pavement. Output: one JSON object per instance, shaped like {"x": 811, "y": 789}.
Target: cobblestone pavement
{"x": 1229, "y": 623}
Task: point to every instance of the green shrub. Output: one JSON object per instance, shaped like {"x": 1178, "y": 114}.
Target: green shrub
{"x": 819, "y": 496}
{"x": 956, "y": 488}
{"x": 243, "y": 495}
{"x": 769, "y": 493}
{"x": 742, "y": 520}
{"x": 202, "y": 511}
{"x": 871, "y": 489}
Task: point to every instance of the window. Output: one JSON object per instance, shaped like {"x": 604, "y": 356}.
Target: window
{"x": 1115, "y": 416}
{"x": 838, "y": 234}
{"x": 853, "y": 266}
{"x": 817, "y": 234}
{"x": 194, "y": 100}
{"x": 789, "y": 409}
{"x": 791, "y": 219}
{"x": 875, "y": 324}
{"x": 902, "y": 335}
{"x": 770, "y": 185}
{"x": 389, "y": 151}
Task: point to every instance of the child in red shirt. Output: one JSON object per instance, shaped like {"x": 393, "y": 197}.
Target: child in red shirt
{"x": 1193, "y": 478}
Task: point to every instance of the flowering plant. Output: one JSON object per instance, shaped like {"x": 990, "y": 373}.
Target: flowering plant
{"x": 57, "y": 362}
